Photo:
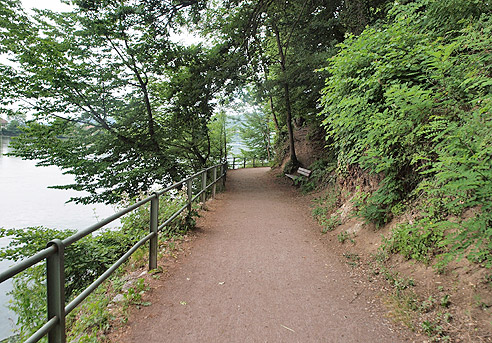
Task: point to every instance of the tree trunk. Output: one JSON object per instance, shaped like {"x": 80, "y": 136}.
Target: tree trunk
{"x": 290, "y": 130}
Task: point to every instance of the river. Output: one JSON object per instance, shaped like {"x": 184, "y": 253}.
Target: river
{"x": 25, "y": 201}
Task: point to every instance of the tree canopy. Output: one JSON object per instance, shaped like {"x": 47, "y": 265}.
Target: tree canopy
{"x": 116, "y": 103}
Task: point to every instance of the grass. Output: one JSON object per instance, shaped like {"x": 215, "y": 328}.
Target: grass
{"x": 352, "y": 259}
{"x": 344, "y": 236}
{"x": 91, "y": 320}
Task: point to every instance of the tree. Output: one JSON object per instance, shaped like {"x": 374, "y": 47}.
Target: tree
{"x": 129, "y": 105}
{"x": 256, "y": 133}
{"x": 355, "y": 15}
{"x": 220, "y": 136}
{"x": 285, "y": 43}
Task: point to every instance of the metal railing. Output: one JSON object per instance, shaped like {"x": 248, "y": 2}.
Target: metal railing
{"x": 54, "y": 253}
{"x": 237, "y": 162}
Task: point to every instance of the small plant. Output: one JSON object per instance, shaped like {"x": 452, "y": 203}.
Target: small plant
{"x": 427, "y": 305}
{"x": 433, "y": 330}
{"x": 324, "y": 206}
{"x": 418, "y": 241}
{"x": 479, "y": 302}
{"x": 447, "y": 317}
{"x": 331, "y": 223}
{"x": 488, "y": 278}
{"x": 380, "y": 256}
{"x": 394, "y": 278}
{"x": 343, "y": 236}
{"x": 445, "y": 301}
{"x": 353, "y": 259}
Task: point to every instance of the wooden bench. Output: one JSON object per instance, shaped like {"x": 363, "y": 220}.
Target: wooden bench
{"x": 302, "y": 172}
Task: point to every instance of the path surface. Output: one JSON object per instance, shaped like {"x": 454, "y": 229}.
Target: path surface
{"x": 258, "y": 272}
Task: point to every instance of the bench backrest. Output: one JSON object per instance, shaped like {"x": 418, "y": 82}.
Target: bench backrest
{"x": 305, "y": 172}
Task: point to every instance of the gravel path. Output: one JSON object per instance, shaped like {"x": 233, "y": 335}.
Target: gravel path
{"x": 259, "y": 272}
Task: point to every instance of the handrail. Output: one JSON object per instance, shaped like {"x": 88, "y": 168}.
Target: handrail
{"x": 237, "y": 162}
{"x": 54, "y": 253}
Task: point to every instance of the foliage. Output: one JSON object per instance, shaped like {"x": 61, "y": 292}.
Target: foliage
{"x": 420, "y": 243}
{"x": 114, "y": 101}
{"x": 355, "y": 15}
{"x": 13, "y": 126}
{"x": 90, "y": 318}
{"x": 410, "y": 100}
{"x": 322, "y": 175}
{"x": 284, "y": 43}
{"x": 256, "y": 132}
{"x": 220, "y": 136}
{"x": 85, "y": 260}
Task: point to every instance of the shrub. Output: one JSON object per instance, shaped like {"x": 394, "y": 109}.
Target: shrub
{"x": 410, "y": 99}
{"x": 85, "y": 260}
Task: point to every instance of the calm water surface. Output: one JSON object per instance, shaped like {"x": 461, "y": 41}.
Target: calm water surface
{"x": 26, "y": 201}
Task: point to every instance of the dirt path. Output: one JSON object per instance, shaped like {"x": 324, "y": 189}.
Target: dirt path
{"x": 258, "y": 272}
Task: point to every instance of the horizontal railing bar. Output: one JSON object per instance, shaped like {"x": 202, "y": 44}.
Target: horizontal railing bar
{"x": 196, "y": 196}
{"x": 43, "y": 330}
{"x": 170, "y": 219}
{"x": 201, "y": 172}
{"x": 69, "y": 308}
{"x": 45, "y": 253}
{"x": 160, "y": 192}
{"x": 170, "y": 187}
{"x": 200, "y": 193}
{"x": 185, "y": 206}
{"x": 28, "y": 262}
{"x": 81, "y": 234}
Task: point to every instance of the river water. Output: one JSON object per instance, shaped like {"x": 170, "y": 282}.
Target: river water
{"x": 26, "y": 201}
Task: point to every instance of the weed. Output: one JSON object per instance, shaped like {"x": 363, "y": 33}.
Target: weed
{"x": 427, "y": 305}
{"x": 134, "y": 294}
{"x": 343, "y": 236}
{"x": 447, "y": 317}
{"x": 480, "y": 303}
{"x": 434, "y": 331}
{"x": 414, "y": 241}
{"x": 403, "y": 304}
{"x": 445, "y": 301}
{"x": 381, "y": 256}
{"x": 488, "y": 278}
{"x": 331, "y": 223}
{"x": 353, "y": 259}
{"x": 394, "y": 278}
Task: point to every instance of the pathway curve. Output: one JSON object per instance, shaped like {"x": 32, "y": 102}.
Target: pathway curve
{"x": 258, "y": 272}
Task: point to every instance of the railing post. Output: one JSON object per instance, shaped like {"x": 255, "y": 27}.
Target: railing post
{"x": 55, "y": 283}
{"x": 222, "y": 174}
{"x": 214, "y": 179}
{"x": 233, "y": 163}
{"x": 189, "y": 189}
{"x": 254, "y": 161}
{"x": 154, "y": 218}
{"x": 244, "y": 163}
{"x": 204, "y": 185}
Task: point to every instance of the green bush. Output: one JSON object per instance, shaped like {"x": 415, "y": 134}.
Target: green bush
{"x": 85, "y": 260}
{"x": 416, "y": 242}
{"x": 410, "y": 100}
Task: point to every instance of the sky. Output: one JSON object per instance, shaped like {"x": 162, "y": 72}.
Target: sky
{"x": 54, "y": 5}
{"x": 184, "y": 38}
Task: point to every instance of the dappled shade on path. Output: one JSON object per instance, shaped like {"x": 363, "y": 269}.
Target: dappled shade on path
{"x": 258, "y": 272}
